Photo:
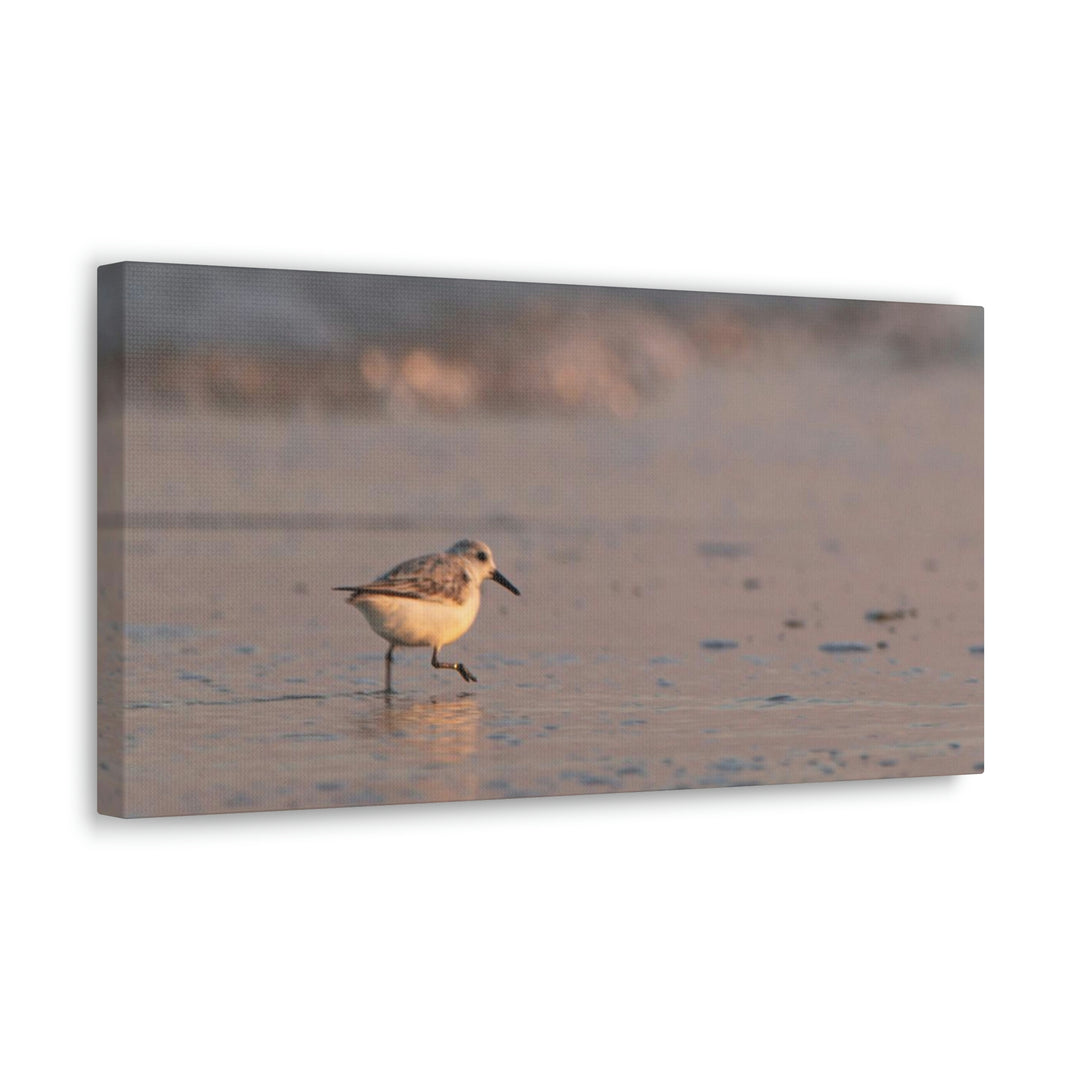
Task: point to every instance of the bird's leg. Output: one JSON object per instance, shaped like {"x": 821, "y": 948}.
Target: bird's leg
{"x": 389, "y": 661}
{"x": 461, "y": 669}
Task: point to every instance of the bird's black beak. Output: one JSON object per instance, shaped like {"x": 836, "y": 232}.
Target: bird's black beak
{"x": 496, "y": 576}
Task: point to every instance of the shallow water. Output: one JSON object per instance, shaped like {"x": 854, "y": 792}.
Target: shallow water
{"x": 772, "y": 578}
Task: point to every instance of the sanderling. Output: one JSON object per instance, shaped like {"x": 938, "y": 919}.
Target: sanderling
{"x": 430, "y": 600}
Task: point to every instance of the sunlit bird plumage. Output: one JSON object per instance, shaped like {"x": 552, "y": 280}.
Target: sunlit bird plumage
{"x": 431, "y": 600}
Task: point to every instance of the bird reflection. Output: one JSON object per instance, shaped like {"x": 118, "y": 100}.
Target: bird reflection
{"x": 445, "y": 731}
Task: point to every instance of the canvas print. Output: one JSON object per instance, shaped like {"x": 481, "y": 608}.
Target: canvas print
{"x": 367, "y": 539}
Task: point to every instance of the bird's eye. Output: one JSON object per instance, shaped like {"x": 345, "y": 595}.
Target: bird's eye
{"x": 482, "y": 556}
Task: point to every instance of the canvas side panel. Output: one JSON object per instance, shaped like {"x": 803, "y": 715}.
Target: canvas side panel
{"x": 110, "y": 538}
{"x": 982, "y": 514}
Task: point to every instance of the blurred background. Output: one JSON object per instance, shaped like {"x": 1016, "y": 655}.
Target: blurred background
{"x": 270, "y": 341}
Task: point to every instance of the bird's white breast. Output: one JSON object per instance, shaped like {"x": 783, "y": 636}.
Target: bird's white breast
{"x": 404, "y": 621}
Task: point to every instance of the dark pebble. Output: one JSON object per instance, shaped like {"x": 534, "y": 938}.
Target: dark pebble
{"x": 720, "y": 549}
{"x": 588, "y": 779}
{"x": 888, "y": 616}
{"x": 844, "y": 646}
{"x": 719, "y": 643}
{"x": 728, "y": 765}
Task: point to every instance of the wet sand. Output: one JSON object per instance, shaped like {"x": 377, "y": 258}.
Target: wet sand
{"x": 696, "y": 585}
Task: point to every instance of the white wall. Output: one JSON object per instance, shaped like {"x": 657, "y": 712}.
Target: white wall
{"x": 915, "y": 152}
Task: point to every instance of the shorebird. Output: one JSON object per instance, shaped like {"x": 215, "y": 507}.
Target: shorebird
{"x": 430, "y": 600}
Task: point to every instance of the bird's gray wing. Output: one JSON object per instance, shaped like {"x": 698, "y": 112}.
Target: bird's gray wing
{"x": 428, "y": 577}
